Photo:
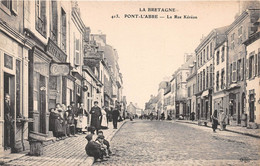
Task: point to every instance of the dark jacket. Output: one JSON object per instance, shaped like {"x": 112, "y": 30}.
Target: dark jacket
{"x": 93, "y": 149}
{"x": 95, "y": 117}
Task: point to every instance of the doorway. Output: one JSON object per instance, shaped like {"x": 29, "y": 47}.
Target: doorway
{"x": 251, "y": 108}
{"x": 42, "y": 105}
{"x": 9, "y": 88}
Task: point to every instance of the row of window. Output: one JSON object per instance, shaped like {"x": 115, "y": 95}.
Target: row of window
{"x": 222, "y": 56}
{"x": 237, "y": 41}
{"x": 191, "y": 90}
{"x": 205, "y": 78}
{"x": 205, "y": 55}
{"x": 222, "y": 80}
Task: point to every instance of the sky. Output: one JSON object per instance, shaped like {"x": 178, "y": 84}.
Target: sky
{"x": 150, "y": 50}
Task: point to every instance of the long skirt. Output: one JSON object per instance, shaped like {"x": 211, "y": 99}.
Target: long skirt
{"x": 214, "y": 124}
{"x": 84, "y": 123}
{"x": 104, "y": 121}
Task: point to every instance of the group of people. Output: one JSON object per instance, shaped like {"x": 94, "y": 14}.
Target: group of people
{"x": 98, "y": 148}
{"x": 71, "y": 120}
{"x": 67, "y": 121}
{"x": 218, "y": 118}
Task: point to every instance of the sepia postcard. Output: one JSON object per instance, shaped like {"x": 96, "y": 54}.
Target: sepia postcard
{"x": 86, "y": 82}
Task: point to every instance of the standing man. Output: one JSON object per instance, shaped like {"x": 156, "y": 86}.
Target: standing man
{"x": 115, "y": 115}
{"x": 74, "y": 111}
{"x": 8, "y": 122}
{"x": 95, "y": 116}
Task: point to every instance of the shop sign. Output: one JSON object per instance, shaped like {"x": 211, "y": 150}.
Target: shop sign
{"x": 55, "y": 51}
{"x": 59, "y": 69}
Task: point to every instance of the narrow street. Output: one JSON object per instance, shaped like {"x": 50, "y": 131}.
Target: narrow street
{"x": 143, "y": 142}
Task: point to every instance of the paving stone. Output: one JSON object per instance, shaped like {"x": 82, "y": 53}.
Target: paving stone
{"x": 162, "y": 143}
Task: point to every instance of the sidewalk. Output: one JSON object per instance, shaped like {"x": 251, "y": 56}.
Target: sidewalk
{"x": 70, "y": 151}
{"x": 235, "y": 129}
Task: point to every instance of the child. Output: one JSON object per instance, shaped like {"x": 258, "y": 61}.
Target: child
{"x": 100, "y": 133}
{"x": 93, "y": 148}
{"x": 100, "y": 141}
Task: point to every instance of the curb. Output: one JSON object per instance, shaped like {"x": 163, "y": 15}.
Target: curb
{"x": 90, "y": 160}
{"x": 237, "y": 132}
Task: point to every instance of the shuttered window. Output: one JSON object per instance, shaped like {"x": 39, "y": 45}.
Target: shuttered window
{"x": 77, "y": 52}
{"x": 63, "y": 30}
{"x": 15, "y": 6}
{"x": 258, "y": 61}
{"x": 40, "y": 17}
{"x": 54, "y": 22}
{"x": 234, "y": 72}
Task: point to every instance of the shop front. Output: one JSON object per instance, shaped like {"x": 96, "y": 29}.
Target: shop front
{"x": 14, "y": 78}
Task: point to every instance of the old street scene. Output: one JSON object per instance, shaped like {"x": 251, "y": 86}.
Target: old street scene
{"x": 129, "y": 82}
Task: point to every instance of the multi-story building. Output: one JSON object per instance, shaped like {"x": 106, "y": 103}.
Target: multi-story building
{"x": 204, "y": 59}
{"x": 47, "y": 26}
{"x": 167, "y": 107}
{"x": 14, "y": 67}
{"x": 253, "y": 74}
{"x": 220, "y": 63}
{"x": 238, "y": 32}
{"x": 181, "y": 75}
{"x": 160, "y": 96}
{"x": 191, "y": 89}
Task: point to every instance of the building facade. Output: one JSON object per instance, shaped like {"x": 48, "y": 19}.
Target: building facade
{"x": 14, "y": 67}
{"x": 238, "y": 32}
{"x": 205, "y": 70}
{"x": 252, "y": 80}
{"x": 191, "y": 89}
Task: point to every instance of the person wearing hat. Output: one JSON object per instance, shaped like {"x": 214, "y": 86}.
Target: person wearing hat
{"x": 100, "y": 141}
{"x": 106, "y": 143}
{"x": 95, "y": 116}
{"x": 93, "y": 149}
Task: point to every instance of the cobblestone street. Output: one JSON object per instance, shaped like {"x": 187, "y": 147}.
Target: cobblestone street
{"x": 170, "y": 143}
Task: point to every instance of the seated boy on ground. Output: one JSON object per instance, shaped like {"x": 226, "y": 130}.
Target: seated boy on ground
{"x": 93, "y": 148}
{"x": 100, "y": 133}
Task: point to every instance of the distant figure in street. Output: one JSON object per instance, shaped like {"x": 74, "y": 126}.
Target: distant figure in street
{"x": 215, "y": 120}
{"x": 162, "y": 116}
{"x": 151, "y": 116}
{"x": 115, "y": 115}
{"x": 222, "y": 120}
{"x": 192, "y": 116}
{"x": 93, "y": 148}
{"x": 75, "y": 113}
{"x": 70, "y": 121}
{"x": 95, "y": 116}
{"x": 8, "y": 123}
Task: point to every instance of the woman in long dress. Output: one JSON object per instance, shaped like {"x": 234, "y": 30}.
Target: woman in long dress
{"x": 82, "y": 119}
{"x": 104, "y": 118}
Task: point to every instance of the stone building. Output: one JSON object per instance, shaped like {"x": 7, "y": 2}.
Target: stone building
{"x": 220, "y": 63}
{"x": 205, "y": 70}
{"x": 181, "y": 75}
{"x": 191, "y": 89}
{"x": 252, "y": 80}
{"x": 14, "y": 67}
{"x": 238, "y": 32}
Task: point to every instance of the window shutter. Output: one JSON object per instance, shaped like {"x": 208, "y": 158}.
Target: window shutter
{"x": 242, "y": 69}
{"x": 234, "y": 72}
{"x": 43, "y": 16}
{"x": 258, "y": 61}
{"x": 15, "y": 6}
{"x": 256, "y": 64}
{"x": 247, "y": 68}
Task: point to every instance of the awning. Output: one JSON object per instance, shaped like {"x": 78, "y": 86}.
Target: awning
{"x": 205, "y": 93}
